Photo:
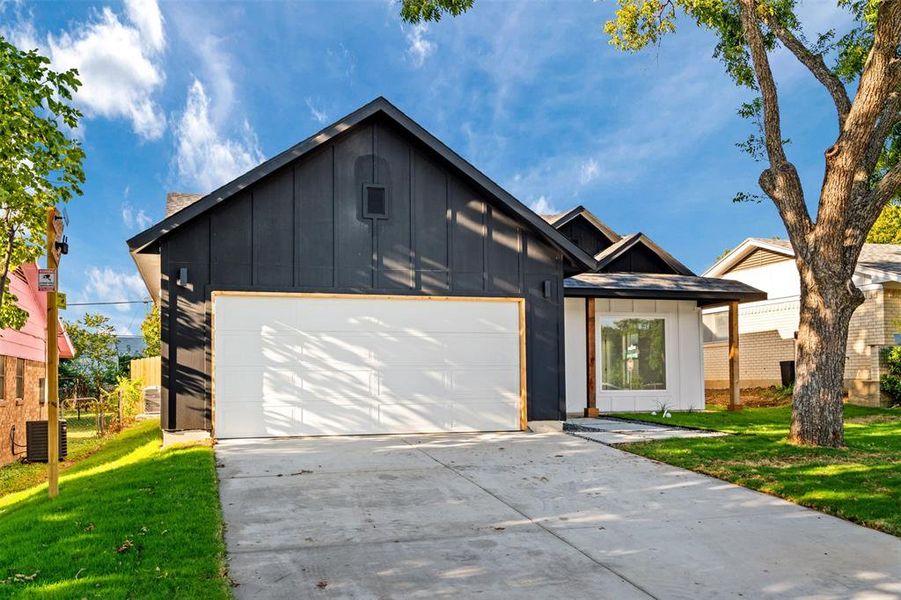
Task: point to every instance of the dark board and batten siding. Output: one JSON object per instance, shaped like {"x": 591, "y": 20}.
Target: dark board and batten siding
{"x": 585, "y": 235}
{"x": 302, "y": 229}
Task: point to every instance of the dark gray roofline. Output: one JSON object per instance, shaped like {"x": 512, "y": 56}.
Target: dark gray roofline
{"x": 607, "y": 256}
{"x": 589, "y": 216}
{"x": 380, "y": 105}
{"x": 706, "y": 291}
{"x": 702, "y": 298}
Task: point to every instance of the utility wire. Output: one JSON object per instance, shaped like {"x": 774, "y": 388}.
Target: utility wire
{"x": 107, "y": 303}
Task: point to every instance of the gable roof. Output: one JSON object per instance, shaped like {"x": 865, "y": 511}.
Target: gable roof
{"x": 560, "y": 219}
{"x": 142, "y": 241}
{"x": 745, "y": 249}
{"x": 624, "y": 245}
{"x": 877, "y": 263}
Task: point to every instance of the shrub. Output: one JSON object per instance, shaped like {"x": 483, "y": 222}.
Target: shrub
{"x": 131, "y": 393}
{"x": 890, "y": 382}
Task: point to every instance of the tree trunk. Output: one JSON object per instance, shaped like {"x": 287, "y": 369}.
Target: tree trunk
{"x": 826, "y": 312}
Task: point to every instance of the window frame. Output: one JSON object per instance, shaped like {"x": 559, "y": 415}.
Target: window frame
{"x": 2, "y": 378}
{"x": 20, "y": 379}
{"x": 667, "y": 337}
{"x": 376, "y": 216}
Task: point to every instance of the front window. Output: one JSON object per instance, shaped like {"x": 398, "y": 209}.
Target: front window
{"x": 20, "y": 379}
{"x": 633, "y": 354}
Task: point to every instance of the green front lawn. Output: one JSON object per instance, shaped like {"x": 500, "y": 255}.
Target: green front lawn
{"x": 131, "y": 521}
{"x": 861, "y": 483}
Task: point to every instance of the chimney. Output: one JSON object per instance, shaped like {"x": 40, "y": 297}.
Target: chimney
{"x": 175, "y": 201}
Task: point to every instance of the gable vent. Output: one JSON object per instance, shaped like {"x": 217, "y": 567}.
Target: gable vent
{"x": 375, "y": 201}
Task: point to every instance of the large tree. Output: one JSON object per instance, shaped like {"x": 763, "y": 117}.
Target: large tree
{"x": 40, "y": 162}
{"x": 861, "y": 73}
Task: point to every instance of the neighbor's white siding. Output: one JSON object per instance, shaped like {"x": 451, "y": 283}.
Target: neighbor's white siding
{"x": 778, "y": 280}
{"x": 684, "y": 357}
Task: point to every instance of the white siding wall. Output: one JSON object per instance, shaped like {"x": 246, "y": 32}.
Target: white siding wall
{"x": 778, "y": 280}
{"x": 780, "y": 315}
{"x": 684, "y": 356}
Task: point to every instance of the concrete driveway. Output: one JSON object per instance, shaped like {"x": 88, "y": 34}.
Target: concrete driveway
{"x": 522, "y": 516}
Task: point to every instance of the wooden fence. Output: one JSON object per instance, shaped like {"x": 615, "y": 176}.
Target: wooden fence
{"x": 148, "y": 370}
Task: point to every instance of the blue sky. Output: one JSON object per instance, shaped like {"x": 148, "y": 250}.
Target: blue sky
{"x": 186, "y": 96}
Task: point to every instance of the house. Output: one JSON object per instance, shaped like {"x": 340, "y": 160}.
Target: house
{"x": 23, "y": 364}
{"x": 646, "y": 307}
{"x": 768, "y": 328}
{"x": 130, "y": 345}
{"x": 370, "y": 280}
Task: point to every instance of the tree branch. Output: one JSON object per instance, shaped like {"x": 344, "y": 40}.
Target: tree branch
{"x": 851, "y": 162}
{"x": 772, "y": 126}
{"x": 816, "y": 65}
{"x": 880, "y": 79}
{"x": 889, "y": 116}
{"x": 887, "y": 188}
{"x": 780, "y": 181}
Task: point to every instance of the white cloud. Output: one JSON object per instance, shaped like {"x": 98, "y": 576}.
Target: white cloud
{"x": 118, "y": 63}
{"x": 146, "y": 16}
{"x": 319, "y": 115}
{"x": 419, "y": 47}
{"x": 589, "y": 171}
{"x": 23, "y": 34}
{"x": 108, "y": 285}
{"x": 543, "y": 206}
{"x": 138, "y": 220}
{"x": 205, "y": 156}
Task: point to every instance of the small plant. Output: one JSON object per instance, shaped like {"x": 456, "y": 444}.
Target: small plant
{"x": 783, "y": 392}
{"x": 663, "y": 408}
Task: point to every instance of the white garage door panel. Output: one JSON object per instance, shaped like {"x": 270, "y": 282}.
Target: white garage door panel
{"x": 486, "y": 416}
{"x": 249, "y": 384}
{"x": 259, "y": 350}
{"x": 302, "y": 365}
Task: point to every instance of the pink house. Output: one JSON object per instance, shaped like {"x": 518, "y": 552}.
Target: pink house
{"x": 22, "y": 364}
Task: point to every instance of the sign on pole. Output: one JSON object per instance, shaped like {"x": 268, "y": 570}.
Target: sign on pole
{"x": 61, "y": 300}
{"x": 46, "y": 280}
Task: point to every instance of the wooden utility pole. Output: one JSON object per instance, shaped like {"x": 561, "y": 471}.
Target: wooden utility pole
{"x": 52, "y": 362}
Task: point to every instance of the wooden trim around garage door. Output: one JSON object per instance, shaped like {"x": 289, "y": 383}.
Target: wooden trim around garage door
{"x": 521, "y": 303}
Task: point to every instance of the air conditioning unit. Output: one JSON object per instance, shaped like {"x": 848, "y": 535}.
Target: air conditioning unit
{"x": 36, "y": 441}
{"x": 152, "y": 399}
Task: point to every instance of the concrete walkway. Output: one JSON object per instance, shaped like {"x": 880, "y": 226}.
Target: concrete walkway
{"x": 617, "y": 431}
{"x": 522, "y": 516}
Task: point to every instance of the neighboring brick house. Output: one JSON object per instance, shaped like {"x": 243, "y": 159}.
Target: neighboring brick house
{"x": 22, "y": 365}
{"x": 767, "y": 329}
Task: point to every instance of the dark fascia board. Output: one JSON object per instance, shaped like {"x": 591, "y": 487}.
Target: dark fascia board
{"x": 380, "y": 105}
{"x": 703, "y": 298}
{"x": 625, "y": 244}
{"x": 581, "y": 211}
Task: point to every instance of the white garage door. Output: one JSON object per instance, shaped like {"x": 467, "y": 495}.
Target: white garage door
{"x": 307, "y": 365}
